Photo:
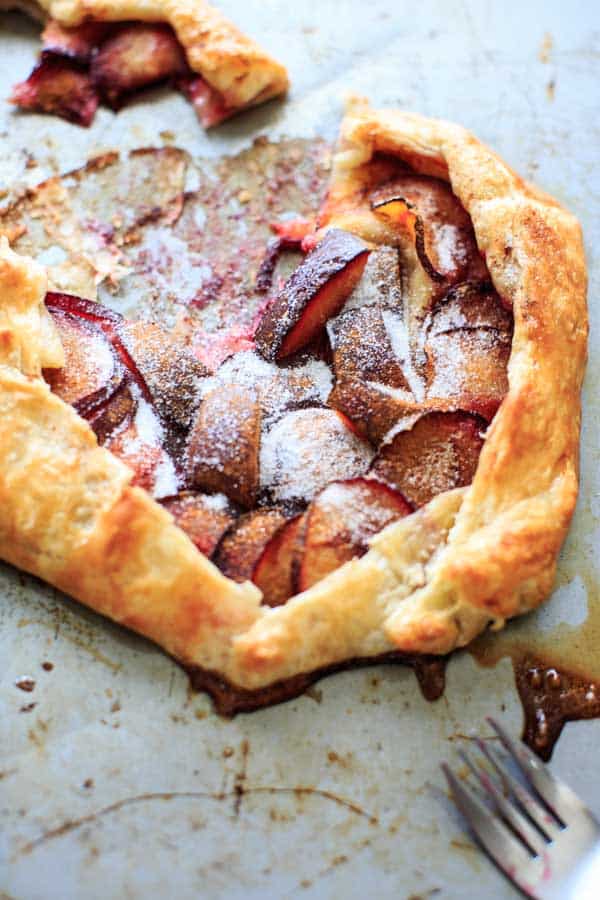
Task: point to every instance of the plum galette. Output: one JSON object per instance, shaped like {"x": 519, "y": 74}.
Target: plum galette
{"x": 97, "y": 52}
{"x": 377, "y": 461}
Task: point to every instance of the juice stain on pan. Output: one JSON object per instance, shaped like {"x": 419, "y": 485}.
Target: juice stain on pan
{"x": 551, "y": 698}
{"x": 71, "y": 825}
{"x": 557, "y": 672}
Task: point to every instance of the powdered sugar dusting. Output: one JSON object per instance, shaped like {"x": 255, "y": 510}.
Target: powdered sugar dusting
{"x": 164, "y": 270}
{"x": 280, "y": 388}
{"x": 146, "y": 422}
{"x": 380, "y": 283}
{"x": 398, "y": 335}
{"x": 166, "y": 482}
{"x": 469, "y": 361}
{"x": 306, "y": 450}
{"x": 89, "y": 359}
{"x": 403, "y": 424}
{"x": 450, "y": 370}
{"x": 449, "y": 247}
{"x": 216, "y": 502}
{"x": 439, "y": 469}
{"x": 149, "y": 435}
{"x": 361, "y": 511}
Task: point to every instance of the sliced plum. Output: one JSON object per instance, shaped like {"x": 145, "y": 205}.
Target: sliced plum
{"x": 468, "y": 368}
{"x": 371, "y": 408}
{"x": 314, "y": 293}
{"x": 130, "y": 424}
{"x": 110, "y": 322}
{"x": 340, "y": 522}
{"x": 139, "y": 444}
{"x": 106, "y": 318}
{"x": 274, "y": 572}
{"x": 142, "y": 458}
{"x": 103, "y": 318}
{"x": 305, "y": 450}
{"x": 224, "y": 444}
{"x": 470, "y": 305}
{"x": 136, "y": 56}
{"x": 115, "y": 415}
{"x": 280, "y": 388}
{"x": 58, "y": 86}
{"x": 209, "y": 105}
{"x": 381, "y": 282}
{"x": 438, "y": 453}
{"x": 362, "y": 350}
{"x": 241, "y": 547}
{"x": 467, "y": 347}
{"x": 402, "y": 215}
{"x": 427, "y": 211}
{"x": 365, "y": 366}
{"x": 204, "y": 518}
{"x": 77, "y": 43}
{"x": 92, "y": 372}
{"x": 172, "y": 373}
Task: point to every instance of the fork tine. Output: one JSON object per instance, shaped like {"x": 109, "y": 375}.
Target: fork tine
{"x": 508, "y": 810}
{"x": 558, "y": 797}
{"x": 503, "y": 847}
{"x": 534, "y": 809}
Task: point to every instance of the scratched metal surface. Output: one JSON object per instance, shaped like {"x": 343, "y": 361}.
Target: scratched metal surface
{"x": 119, "y": 782}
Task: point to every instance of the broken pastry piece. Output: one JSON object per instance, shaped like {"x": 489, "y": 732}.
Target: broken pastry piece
{"x": 384, "y": 466}
{"x": 58, "y": 88}
{"x": 134, "y": 57}
{"x": 93, "y": 53}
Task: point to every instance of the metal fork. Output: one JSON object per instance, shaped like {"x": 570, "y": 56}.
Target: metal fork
{"x": 542, "y": 837}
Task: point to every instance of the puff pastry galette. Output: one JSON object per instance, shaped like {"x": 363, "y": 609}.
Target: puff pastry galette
{"x": 383, "y": 465}
{"x": 97, "y": 52}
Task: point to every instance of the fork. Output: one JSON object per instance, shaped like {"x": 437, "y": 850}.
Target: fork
{"x": 542, "y": 837}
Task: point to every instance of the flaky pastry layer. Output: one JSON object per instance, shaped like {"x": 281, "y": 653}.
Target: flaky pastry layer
{"x": 430, "y": 582}
{"x": 226, "y": 58}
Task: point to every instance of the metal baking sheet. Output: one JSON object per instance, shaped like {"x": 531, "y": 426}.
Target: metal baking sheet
{"x": 119, "y": 782}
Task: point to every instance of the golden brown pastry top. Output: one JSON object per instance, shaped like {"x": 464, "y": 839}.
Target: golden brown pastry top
{"x": 431, "y": 581}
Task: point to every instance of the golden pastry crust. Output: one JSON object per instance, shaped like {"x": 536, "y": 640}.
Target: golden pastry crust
{"x": 430, "y": 582}
{"x": 228, "y": 60}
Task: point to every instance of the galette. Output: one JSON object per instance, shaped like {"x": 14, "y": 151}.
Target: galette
{"x": 95, "y": 52}
{"x": 379, "y": 462}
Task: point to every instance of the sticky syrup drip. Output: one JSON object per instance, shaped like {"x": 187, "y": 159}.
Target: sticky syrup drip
{"x": 550, "y": 698}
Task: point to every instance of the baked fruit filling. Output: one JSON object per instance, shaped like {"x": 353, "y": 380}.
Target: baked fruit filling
{"x": 107, "y": 63}
{"x": 362, "y": 390}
